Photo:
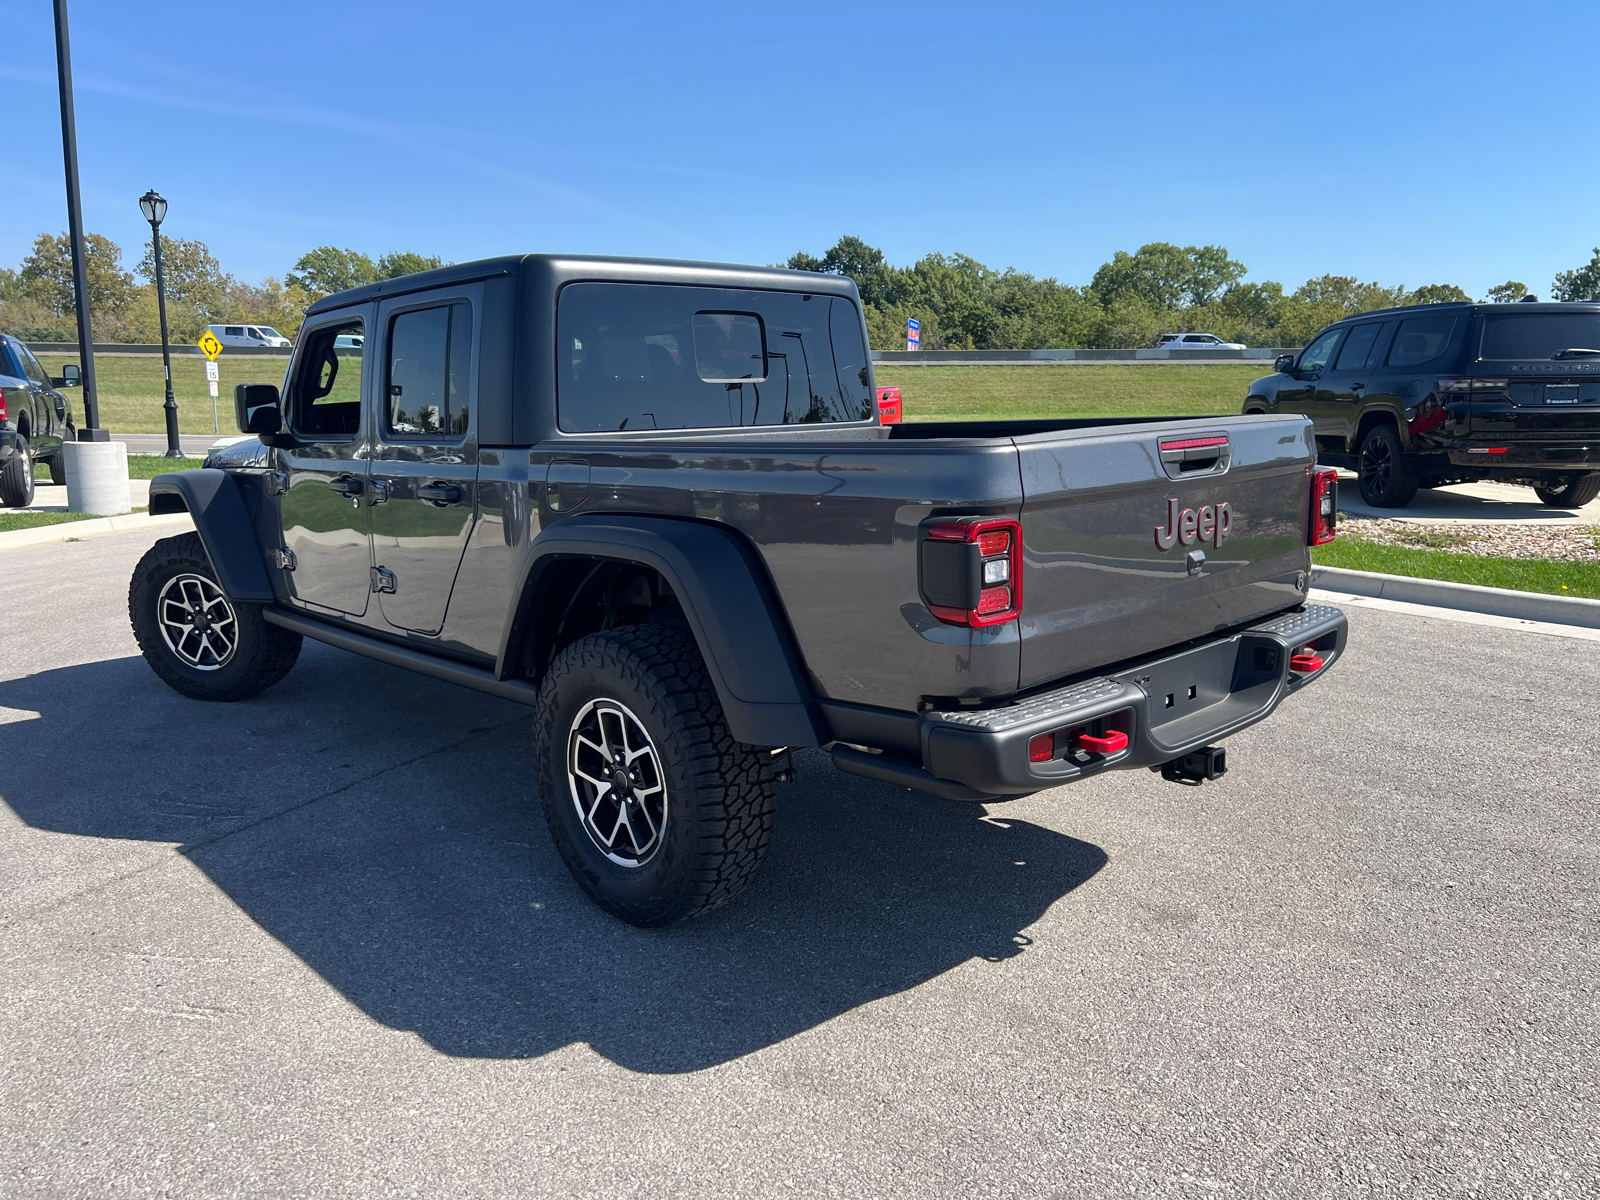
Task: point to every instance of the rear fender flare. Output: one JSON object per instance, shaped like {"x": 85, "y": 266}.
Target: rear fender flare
{"x": 728, "y": 600}
{"x": 212, "y": 498}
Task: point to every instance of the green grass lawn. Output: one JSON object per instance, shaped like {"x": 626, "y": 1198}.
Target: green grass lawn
{"x": 1519, "y": 574}
{"x": 140, "y": 466}
{"x": 1076, "y": 390}
{"x": 132, "y": 390}
{"x": 32, "y": 520}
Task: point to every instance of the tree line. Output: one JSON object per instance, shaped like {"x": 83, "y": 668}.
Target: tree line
{"x": 37, "y": 298}
{"x": 961, "y": 304}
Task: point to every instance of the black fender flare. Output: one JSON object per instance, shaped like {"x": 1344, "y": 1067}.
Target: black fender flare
{"x": 730, "y": 604}
{"x": 212, "y": 498}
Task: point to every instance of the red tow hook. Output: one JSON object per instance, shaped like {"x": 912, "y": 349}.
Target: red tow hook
{"x": 1110, "y": 744}
{"x": 1304, "y": 664}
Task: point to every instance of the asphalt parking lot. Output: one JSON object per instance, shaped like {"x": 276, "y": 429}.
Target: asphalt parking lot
{"x": 319, "y": 944}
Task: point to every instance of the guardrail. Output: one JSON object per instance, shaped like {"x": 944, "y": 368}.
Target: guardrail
{"x": 961, "y": 358}
{"x": 141, "y": 348}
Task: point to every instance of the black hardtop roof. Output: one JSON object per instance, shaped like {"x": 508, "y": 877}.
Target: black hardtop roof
{"x": 568, "y": 267}
{"x": 1553, "y": 306}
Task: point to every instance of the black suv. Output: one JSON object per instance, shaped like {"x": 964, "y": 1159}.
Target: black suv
{"x": 1450, "y": 393}
{"x": 35, "y": 419}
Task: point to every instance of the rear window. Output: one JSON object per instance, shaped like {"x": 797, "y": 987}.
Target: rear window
{"x": 1538, "y": 335}
{"x": 1423, "y": 339}
{"x": 653, "y": 356}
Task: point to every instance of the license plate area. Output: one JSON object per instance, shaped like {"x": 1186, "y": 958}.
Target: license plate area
{"x": 1561, "y": 393}
{"x": 1209, "y": 688}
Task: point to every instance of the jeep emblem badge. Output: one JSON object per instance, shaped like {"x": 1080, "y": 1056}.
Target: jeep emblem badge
{"x": 1209, "y": 523}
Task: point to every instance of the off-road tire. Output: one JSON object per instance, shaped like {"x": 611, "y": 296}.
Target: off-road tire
{"x": 719, "y": 792}
{"x": 57, "y": 463}
{"x": 1574, "y": 493}
{"x": 1381, "y": 469}
{"x": 262, "y": 654}
{"x": 16, "y": 476}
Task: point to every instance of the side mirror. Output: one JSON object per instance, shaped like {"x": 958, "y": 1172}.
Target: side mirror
{"x": 1283, "y": 364}
{"x": 256, "y": 407}
{"x": 70, "y": 377}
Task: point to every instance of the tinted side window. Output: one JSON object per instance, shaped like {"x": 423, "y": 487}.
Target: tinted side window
{"x": 430, "y": 353}
{"x": 1422, "y": 339}
{"x": 653, "y": 356}
{"x": 1358, "y": 347}
{"x": 325, "y": 394}
{"x": 9, "y": 363}
{"x": 1315, "y": 356}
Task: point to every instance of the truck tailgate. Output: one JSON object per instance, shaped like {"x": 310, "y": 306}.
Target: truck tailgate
{"x": 1113, "y": 527}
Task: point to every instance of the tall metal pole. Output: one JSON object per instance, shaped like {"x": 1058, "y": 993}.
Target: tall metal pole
{"x": 91, "y": 431}
{"x": 171, "y": 405}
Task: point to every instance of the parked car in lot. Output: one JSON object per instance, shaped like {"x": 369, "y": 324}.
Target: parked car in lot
{"x": 248, "y": 335}
{"x": 1195, "y": 341}
{"x": 657, "y": 502}
{"x": 35, "y": 418}
{"x": 1449, "y": 393}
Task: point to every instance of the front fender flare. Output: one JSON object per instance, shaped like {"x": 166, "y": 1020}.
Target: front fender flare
{"x": 730, "y": 604}
{"x": 212, "y": 498}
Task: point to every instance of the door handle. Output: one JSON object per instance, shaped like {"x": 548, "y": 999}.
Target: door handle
{"x": 346, "y": 485}
{"x": 440, "y": 494}
{"x": 1356, "y": 387}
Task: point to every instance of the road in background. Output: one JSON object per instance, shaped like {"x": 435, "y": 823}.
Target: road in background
{"x": 319, "y": 944}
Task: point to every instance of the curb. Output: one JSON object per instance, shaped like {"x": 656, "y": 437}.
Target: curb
{"x": 1468, "y": 597}
{"x": 77, "y": 531}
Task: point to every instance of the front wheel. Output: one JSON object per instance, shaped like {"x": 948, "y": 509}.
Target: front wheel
{"x": 1384, "y": 480}
{"x": 1573, "y": 492}
{"x": 16, "y": 476}
{"x": 657, "y": 811}
{"x": 197, "y": 640}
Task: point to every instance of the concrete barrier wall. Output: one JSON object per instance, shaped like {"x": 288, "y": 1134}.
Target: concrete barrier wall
{"x": 140, "y": 348}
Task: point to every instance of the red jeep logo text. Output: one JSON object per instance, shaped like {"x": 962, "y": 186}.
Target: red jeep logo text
{"x": 1209, "y": 523}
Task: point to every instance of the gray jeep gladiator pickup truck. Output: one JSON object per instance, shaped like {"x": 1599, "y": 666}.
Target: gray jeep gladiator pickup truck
{"x": 654, "y": 501}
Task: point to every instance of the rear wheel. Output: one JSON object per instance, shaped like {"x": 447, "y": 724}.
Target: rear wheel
{"x": 1384, "y": 480}
{"x": 194, "y": 637}
{"x": 16, "y": 476}
{"x": 658, "y": 813}
{"x": 1573, "y": 492}
{"x": 58, "y": 468}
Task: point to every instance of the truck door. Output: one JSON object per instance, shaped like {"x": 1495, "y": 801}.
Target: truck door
{"x": 324, "y": 509}
{"x": 425, "y": 456}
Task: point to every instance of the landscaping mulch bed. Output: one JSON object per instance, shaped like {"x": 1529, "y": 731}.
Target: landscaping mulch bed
{"x": 1553, "y": 543}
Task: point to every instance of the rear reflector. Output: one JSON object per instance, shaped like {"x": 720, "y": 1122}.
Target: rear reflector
{"x": 1198, "y": 443}
{"x": 1042, "y": 748}
{"x": 1109, "y": 744}
{"x": 1304, "y": 664}
{"x": 1488, "y": 449}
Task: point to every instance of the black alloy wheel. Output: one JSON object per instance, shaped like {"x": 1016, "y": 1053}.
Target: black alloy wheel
{"x": 16, "y": 476}
{"x": 657, "y": 811}
{"x": 1384, "y": 481}
{"x": 1574, "y": 491}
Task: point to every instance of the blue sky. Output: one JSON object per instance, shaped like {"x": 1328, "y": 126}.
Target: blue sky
{"x": 1406, "y": 143}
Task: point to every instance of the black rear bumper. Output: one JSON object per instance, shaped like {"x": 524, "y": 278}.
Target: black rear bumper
{"x": 1164, "y": 708}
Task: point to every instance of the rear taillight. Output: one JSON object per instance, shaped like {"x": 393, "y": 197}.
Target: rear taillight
{"x": 2, "y": 404}
{"x": 1455, "y": 385}
{"x": 1324, "y": 506}
{"x": 972, "y": 571}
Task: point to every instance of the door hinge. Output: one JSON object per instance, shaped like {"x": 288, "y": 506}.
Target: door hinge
{"x": 382, "y": 579}
{"x": 377, "y": 493}
{"x": 278, "y": 483}
{"x": 282, "y": 559}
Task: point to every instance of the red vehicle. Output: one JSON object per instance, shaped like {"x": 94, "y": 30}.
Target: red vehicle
{"x": 888, "y": 406}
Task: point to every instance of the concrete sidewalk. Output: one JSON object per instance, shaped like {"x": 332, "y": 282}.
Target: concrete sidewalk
{"x": 1505, "y": 503}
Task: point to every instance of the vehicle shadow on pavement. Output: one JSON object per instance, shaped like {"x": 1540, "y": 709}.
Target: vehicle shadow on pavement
{"x": 427, "y": 891}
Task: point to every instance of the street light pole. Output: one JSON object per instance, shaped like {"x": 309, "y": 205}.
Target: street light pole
{"x": 154, "y": 209}
{"x": 91, "y": 431}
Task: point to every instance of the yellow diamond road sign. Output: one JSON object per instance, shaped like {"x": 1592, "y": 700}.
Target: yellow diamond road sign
{"x": 210, "y": 346}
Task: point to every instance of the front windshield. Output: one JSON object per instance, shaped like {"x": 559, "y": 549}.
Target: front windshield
{"x": 1539, "y": 335}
